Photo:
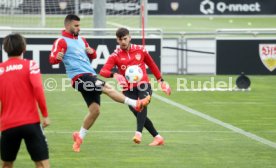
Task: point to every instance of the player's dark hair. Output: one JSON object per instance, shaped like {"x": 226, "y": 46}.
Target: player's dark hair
{"x": 14, "y": 44}
{"x": 121, "y": 32}
{"x": 70, "y": 18}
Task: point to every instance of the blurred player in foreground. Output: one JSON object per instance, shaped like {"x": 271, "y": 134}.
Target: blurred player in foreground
{"x": 20, "y": 91}
{"x": 131, "y": 54}
{"x": 75, "y": 52}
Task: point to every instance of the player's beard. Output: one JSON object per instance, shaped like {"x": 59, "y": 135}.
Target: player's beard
{"x": 74, "y": 33}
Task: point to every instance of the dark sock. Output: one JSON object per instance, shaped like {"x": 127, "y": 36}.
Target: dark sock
{"x": 140, "y": 118}
{"x": 149, "y": 126}
{"x": 144, "y": 121}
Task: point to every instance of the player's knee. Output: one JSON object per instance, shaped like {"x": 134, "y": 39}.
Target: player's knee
{"x": 107, "y": 89}
{"x": 7, "y": 164}
{"x": 42, "y": 164}
{"x": 94, "y": 109}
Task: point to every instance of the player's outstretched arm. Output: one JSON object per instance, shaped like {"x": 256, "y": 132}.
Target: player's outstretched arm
{"x": 120, "y": 79}
{"x": 156, "y": 72}
{"x": 152, "y": 65}
{"x": 58, "y": 50}
{"x": 106, "y": 69}
{"x": 107, "y": 73}
{"x": 165, "y": 87}
{"x": 91, "y": 52}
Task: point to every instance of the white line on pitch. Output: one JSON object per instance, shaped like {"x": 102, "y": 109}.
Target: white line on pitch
{"x": 180, "y": 131}
{"x": 216, "y": 121}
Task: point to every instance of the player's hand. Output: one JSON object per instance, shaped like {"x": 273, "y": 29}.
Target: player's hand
{"x": 120, "y": 79}
{"x": 165, "y": 87}
{"x": 89, "y": 50}
{"x": 60, "y": 54}
{"x": 45, "y": 122}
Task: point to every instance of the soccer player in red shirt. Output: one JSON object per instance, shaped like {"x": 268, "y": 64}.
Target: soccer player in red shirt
{"x": 74, "y": 51}
{"x": 131, "y": 54}
{"x": 20, "y": 91}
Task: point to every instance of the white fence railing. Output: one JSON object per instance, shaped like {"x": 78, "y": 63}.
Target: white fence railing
{"x": 181, "y": 53}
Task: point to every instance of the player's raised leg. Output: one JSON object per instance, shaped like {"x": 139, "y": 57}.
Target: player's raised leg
{"x": 119, "y": 97}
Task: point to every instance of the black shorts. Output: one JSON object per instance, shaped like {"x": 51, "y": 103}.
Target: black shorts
{"x": 140, "y": 91}
{"x": 35, "y": 141}
{"x": 90, "y": 87}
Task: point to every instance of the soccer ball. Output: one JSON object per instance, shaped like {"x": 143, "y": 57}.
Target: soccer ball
{"x": 133, "y": 74}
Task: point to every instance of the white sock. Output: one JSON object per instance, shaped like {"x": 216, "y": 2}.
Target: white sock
{"x": 137, "y": 132}
{"x": 130, "y": 102}
{"x": 158, "y": 136}
{"x": 83, "y": 132}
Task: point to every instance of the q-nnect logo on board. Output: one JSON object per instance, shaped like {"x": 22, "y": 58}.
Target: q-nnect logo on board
{"x": 207, "y": 7}
{"x": 210, "y": 7}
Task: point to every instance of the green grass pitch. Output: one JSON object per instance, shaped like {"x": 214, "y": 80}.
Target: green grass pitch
{"x": 166, "y": 23}
{"x": 191, "y": 141}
